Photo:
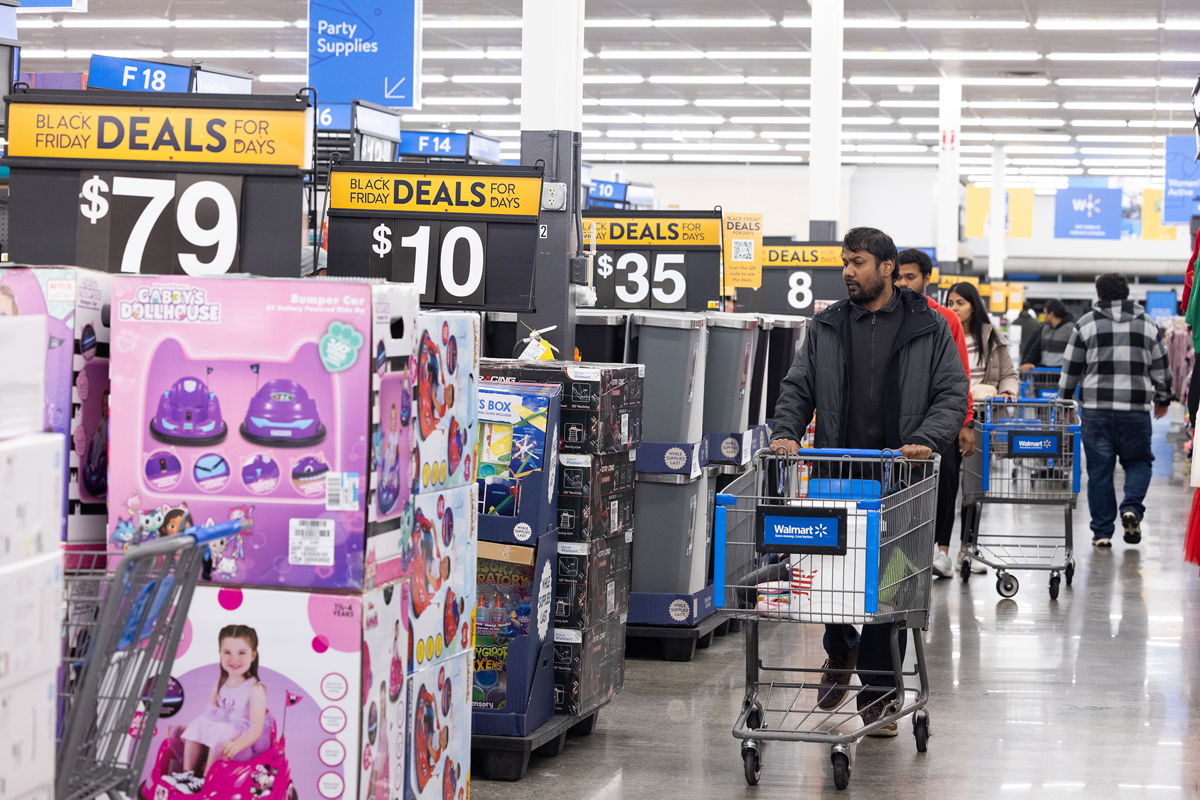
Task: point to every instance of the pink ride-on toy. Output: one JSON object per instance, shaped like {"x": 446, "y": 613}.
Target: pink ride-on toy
{"x": 266, "y": 776}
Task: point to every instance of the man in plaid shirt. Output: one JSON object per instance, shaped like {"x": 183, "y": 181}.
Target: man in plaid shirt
{"x": 1117, "y": 355}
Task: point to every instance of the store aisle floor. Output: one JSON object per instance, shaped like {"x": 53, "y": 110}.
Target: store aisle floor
{"x": 1097, "y": 695}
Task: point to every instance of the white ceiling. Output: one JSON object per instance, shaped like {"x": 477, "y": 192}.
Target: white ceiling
{"x": 735, "y": 90}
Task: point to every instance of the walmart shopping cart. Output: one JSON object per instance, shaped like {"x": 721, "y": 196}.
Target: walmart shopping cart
{"x": 1041, "y": 383}
{"x": 120, "y": 632}
{"x": 1029, "y": 453}
{"x": 827, "y": 536}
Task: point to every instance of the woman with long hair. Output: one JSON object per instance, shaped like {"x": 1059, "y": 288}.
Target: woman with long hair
{"x": 992, "y": 371}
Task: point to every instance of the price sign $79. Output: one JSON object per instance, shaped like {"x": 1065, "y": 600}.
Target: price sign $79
{"x": 666, "y": 284}
{"x": 97, "y": 196}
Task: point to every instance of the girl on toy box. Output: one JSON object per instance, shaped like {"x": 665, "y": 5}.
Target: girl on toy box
{"x": 233, "y": 724}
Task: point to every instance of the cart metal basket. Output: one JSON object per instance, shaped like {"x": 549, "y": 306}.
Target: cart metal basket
{"x": 1029, "y": 452}
{"x": 1040, "y": 383}
{"x": 120, "y": 631}
{"x": 836, "y": 537}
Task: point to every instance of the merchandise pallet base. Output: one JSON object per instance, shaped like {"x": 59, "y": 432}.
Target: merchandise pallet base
{"x": 676, "y": 643}
{"x": 506, "y": 758}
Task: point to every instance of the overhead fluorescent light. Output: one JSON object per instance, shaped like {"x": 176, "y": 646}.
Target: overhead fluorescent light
{"x": 466, "y": 101}
{"x": 795, "y": 22}
{"x": 888, "y": 148}
{"x": 1046, "y": 162}
{"x": 735, "y": 135}
{"x": 625, "y": 158}
{"x": 650, "y": 55}
{"x": 697, "y": 79}
{"x": 740, "y": 158}
{"x": 1122, "y": 151}
{"x": 914, "y": 121}
{"x": 1044, "y": 149}
{"x": 1162, "y": 123}
{"x": 618, "y": 22}
{"x": 867, "y": 121}
{"x": 231, "y": 24}
{"x": 657, "y": 134}
{"x": 495, "y": 79}
{"x": 500, "y": 133}
{"x": 868, "y": 23}
{"x": 985, "y": 55}
{"x": 908, "y": 104}
{"x": 434, "y": 79}
{"x": 682, "y": 119}
{"x": 612, "y": 80}
{"x": 1122, "y": 162}
{"x": 1014, "y": 104}
{"x": 886, "y": 55}
{"x": 135, "y": 52}
{"x": 798, "y": 148}
{"x": 779, "y": 120}
{"x": 453, "y": 54}
{"x": 1121, "y": 137}
{"x": 477, "y": 23}
{"x": 716, "y": 22}
{"x": 845, "y": 103}
{"x": 88, "y": 22}
{"x": 1096, "y": 24}
{"x": 967, "y": 24}
{"x": 632, "y": 102}
{"x": 1012, "y": 122}
{"x": 771, "y": 55}
{"x": 712, "y": 146}
{"x": 1128, "y": 83}
{"x": 877, "y": 135}
{"x": 973, "y": 136}
{"x": 784, "y": 134}
{"x": 738, "y": 102}
{"x": 1100, "y": 123}
{"x": 1127, "y": 106}
{"x": 233, "y": 54}
{"x": 612, "y": 118}
{"x": 441, "y": 118}
{"x": 1107, "y": 56}
{"x": 929, "y": 80}
{"x": 610, "y": 145}
{"x": 298, "y": 77}
{"x": 28, "y": 24}
{"x": 778, "y": 80}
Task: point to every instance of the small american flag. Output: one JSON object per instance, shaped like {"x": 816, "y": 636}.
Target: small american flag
{"x": 802, "y": 582}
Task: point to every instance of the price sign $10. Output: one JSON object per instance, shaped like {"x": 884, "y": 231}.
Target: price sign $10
{"x": 201, "y": 225}
{"x": 453, "y": 238}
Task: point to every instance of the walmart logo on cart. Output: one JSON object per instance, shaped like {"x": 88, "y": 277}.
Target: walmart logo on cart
{"x": 801, "y": 531}
{"x": 807, "y": 531}
{"x": 1034, "y": 444}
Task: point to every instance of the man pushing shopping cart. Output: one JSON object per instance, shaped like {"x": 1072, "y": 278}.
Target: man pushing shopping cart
{"x": 880, "y": 371}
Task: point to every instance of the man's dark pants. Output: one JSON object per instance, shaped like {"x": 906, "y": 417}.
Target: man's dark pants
{"x": 1109, "y": 437}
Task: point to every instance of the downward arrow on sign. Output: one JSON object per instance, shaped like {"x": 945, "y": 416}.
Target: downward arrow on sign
{"x": 390, "y": 91}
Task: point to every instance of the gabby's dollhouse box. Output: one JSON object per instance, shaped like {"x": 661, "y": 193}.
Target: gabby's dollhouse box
{"x": 260, "y": 399}
{"x": 278, "y": 695}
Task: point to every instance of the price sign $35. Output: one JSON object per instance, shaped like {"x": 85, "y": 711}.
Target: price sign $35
{"x": 122, "y": 217}
{"x": 643, "y": 280}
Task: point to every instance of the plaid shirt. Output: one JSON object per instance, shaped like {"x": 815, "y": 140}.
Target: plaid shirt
{"x": 1118, "y": 357}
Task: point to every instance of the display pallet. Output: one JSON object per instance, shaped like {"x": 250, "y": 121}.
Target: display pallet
{"x": 677, "y": 643}
{"x": 506, "y": 758}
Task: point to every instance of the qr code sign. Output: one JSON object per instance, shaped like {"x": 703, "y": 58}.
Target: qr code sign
{"x": 743, "y": 249}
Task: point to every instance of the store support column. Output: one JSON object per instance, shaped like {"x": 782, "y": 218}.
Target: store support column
{"x": 551, "y": 133}
{"x": 998, "y": 216}
{"x": 948, "y": 190}
{"x": 825, "y": 155}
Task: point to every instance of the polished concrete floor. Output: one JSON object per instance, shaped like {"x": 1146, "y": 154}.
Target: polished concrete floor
{"x": 1096, "y": 695}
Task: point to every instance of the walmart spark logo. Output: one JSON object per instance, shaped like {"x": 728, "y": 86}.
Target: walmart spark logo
{"x": 1089, "y": 204}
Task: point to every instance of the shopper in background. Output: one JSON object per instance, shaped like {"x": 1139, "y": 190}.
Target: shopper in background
{"x": 1045, "y": 347}
{"x": 1027, "y": 321}
{"x": 880, "y": 370}
{"x": 915, "y": 269}
{"x": 992, "y": 372}
{"x": 1117, "y": 355}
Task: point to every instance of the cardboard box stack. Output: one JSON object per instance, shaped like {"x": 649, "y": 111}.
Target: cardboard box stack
{"x": 33, "y": 472}
{"x": 598, "y": 438}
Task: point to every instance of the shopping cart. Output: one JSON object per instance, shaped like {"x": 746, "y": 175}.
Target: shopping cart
{"x": 1041, "y": 383}
{"x": 827, "y": 536}
{"x": 120, "y": 631}
{"x": 1029, "y": 453}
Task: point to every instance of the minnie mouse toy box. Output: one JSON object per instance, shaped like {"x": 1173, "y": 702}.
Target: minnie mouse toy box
{"x": 284, "y": 695}
{"x": 240, "y": 398}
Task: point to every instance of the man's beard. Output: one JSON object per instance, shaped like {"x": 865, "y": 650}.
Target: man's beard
{"x": 865, "y": 293}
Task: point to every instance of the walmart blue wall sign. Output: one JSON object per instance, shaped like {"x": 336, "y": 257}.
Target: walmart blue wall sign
{"x": 365, "y": 50}
{"x": 1085, "y": 213}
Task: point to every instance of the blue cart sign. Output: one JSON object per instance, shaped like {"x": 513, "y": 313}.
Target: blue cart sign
{"x": 819, "y": 531}
{"x": 365, "y": 50}
{"x": 133, "y": 75}
{"x": 1034, "y": 443}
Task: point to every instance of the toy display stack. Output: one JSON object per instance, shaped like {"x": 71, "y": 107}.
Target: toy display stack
{"x": 33, "y": 472}
{"x": 599, "y": 432}
{"x": 347, "y": 440}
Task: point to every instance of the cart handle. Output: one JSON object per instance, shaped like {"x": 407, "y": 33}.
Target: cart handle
{"x": 203, "y": 534}
{"x": 826, "y": 452}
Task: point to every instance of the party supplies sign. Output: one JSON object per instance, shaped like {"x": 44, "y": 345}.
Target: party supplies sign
{"x": 365, "y": 50}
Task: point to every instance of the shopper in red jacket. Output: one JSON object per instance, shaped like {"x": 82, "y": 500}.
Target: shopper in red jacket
{"x": 915, "y": 269}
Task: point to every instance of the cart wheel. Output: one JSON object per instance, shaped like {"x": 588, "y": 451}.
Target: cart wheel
{"x": 921, "y": 732}
{"x": 1069, "y": 571}
{"x": 841, "y": 770}
{"x": 754, "y": 718}
{"x": 1054, "y": 582}
{"x": 1007, "y": 585}
{"x": 752, "y": 764}
{"x": 964, "y": 570}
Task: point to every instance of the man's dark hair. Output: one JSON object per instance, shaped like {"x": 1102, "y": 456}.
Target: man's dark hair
{"x": 1056, "y": 308}
{"x": 875, "y": 242}
{"x": 919, "y": 257}
{"x": 1112, "y": 286}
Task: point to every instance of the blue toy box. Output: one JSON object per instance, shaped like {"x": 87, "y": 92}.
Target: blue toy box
{"x": 517, "y": 460}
